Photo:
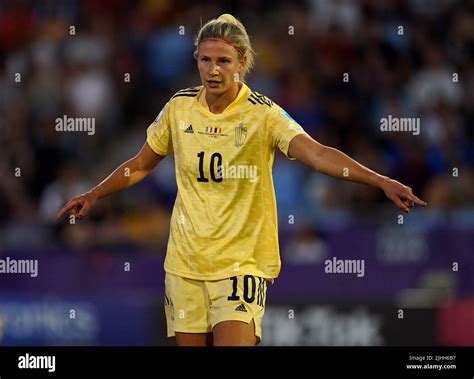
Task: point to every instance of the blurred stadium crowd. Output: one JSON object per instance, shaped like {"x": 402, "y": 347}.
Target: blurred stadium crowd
{"x": 403, "y": 58}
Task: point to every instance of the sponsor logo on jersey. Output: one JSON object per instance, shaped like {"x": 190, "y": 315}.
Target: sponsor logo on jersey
{"x": 241, "y": 308}
{"x": 189, "y": 129}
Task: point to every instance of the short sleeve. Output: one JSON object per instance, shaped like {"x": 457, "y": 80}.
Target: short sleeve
{"x": 159, "y": 133}
{"x": 283, "y": 129}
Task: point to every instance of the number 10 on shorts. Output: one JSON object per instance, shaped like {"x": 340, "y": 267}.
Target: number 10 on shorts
{"x": 250, "y": 290}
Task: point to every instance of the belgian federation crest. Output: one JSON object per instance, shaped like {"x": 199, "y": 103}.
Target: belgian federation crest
{"x": 240, "y": 135}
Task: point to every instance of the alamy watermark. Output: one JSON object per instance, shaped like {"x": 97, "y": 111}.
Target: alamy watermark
{"x": 228, "y": 171}
{"x": 400, "y": 124}
{"x": 45, "y": 362}
{"x": 75, "y": 124}
{"x": 345, "y": 266}
{"x": 19, "y": 266}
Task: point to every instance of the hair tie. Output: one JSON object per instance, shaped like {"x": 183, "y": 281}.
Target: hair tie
{"x": 225, "y": 41}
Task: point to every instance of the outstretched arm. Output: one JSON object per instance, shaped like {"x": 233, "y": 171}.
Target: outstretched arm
{"x": 124, "y": 176}
{"x": 335, "y": 163}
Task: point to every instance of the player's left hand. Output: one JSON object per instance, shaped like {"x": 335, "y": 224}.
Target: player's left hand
{"x": 401, "y": 195}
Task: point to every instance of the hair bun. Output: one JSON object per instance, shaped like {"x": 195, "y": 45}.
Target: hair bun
{"x": 229, "y": 18}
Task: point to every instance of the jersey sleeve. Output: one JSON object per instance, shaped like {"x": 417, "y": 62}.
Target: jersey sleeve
{"x": 159, "y": 133}
{"x": 282, "y": 129}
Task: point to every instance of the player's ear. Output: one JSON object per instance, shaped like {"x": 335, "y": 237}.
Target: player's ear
{"x": 242, "y": 63}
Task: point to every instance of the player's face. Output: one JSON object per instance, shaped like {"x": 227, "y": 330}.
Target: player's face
{"x": 218, "y": 65}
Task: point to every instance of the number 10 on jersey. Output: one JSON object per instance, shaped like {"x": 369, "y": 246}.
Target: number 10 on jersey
{"x": 212, "y": 167}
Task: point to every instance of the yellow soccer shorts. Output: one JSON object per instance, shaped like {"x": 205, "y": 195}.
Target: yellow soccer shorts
{"x": 196, "y": 306}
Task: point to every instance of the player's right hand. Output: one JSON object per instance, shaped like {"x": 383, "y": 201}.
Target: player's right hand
{"x": 79, "y": 206}
{"x": 401, "y": 195}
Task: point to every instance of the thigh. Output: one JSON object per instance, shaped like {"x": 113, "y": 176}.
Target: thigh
{"x": 237, "y": 308}
{"x": 234, "y": 333}
{"x": 193, "y": 339}
{"x": 186, "y": 308}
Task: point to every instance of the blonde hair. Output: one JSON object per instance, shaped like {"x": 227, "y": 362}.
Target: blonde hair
{"x": 230, "y": 29}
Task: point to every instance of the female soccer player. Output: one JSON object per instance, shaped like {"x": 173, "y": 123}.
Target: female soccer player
{"x": 223, "y": 242}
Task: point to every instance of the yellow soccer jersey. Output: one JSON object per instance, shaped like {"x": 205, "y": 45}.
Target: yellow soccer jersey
{"x": 224, "y": 221}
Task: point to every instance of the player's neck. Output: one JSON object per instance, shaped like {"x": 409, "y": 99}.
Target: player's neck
{"x": 218, "y": 103}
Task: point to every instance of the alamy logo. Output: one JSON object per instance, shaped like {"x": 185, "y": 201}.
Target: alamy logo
{"x": 397, "y": 124}
{"x": 345, "y": 266}
{"x": 78, "y": 124}
{"x": 28, "y": 361}
{"x": 19, "y": 266}
{"x": 228, "y": 171}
